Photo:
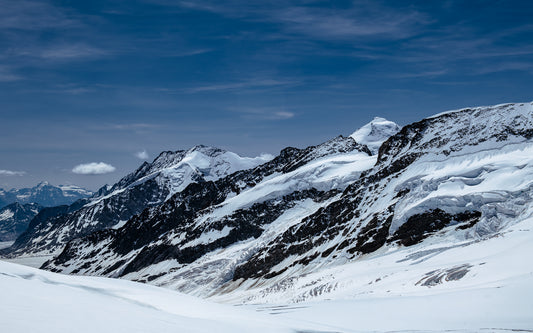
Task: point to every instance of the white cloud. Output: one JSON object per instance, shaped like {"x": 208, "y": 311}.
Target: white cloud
{"x": 142, "y": 155}
{"x": 93, "y": 168}
{"x": 11, "y": 173}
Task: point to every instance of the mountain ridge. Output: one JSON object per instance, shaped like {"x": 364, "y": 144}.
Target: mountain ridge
{"x": 460, "y": 177}
{"x": 44, "y": 194}
{"x": 149, "y": 185}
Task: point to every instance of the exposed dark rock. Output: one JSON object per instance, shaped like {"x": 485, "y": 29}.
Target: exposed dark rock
{"x": 420, "y": 226}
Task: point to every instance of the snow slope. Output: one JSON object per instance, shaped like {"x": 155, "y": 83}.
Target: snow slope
{"x": 39, "y": 301}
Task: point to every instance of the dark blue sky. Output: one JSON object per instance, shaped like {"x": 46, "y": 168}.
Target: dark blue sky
{"x": 99, "y": 81}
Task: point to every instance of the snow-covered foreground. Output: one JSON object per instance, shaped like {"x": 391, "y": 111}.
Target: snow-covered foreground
{"x": 39, "y": 301}
{"x": 485, "y": 286}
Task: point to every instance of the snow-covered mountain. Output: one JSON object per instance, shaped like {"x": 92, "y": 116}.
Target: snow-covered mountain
{"x": 456, "y": 178}
{"x": 15, "y": 218}
{"x": 445, "y": 204}
{"x": 233, "y": 209}
{"x": 150, "y": 185}
{"x": 44, "y": 194}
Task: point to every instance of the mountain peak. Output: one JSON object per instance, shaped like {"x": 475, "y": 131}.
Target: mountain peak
{"x": 375, "y": 133}
{"x": 42, "y": 184}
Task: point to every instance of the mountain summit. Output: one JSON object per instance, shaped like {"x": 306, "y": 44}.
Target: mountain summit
{"x": 375, "y": 133}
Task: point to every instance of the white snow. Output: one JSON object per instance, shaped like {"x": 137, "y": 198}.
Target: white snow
{"x": 120, "y": 224}
{"x": 4, "y": 245}
{"x": 209, "y": 236}
{"x": 39, "y": 301}
{"x": 74, "y": 191}
{"x": 175, "y": 171}
{"x": 375, "y": 133}
{"x": 6, "y": 215}
{"x": 331, "y": 172}
{"x": 34, "y": 261}
{"x": 499, "y": 178}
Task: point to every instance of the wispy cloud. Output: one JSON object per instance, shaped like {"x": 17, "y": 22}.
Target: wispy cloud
{"x": 72, "y": 51}
{"x": 12, "y": 173}
{"x": 39, "y": 34}
{"x": 33, "y": 15}
{"x": 247, "y": 84}
{"x": 133, "y": 126}
{"x": 420, "y": 74}
{"x": 362, "y": 19}
{"x": 264, "y": 113}
{"x": 142, "y": 155}
{"x": 186, "y": 53}
{"x": 94, "y": 168}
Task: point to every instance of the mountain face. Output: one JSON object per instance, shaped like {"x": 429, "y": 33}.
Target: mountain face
{"x": 150, "y": 185}
{"x": 15, "y": 218}
{"x": 452, "y": 180}
{"x": 44, "y": 194}
{"x": 209, "y": 215}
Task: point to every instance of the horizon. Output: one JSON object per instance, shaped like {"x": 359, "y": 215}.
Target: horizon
{"x": 90, "y": 90}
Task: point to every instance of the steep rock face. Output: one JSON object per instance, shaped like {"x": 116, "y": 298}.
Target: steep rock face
{"x": 456, "y": 177}
{"x": 44, "y": 194}
{"x": 209, "y": 216}
{"x": 15, "y": 218}
{"x": 150, "y": 185}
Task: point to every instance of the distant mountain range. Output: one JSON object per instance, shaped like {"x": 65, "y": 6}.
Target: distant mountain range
{"x": 210, "y": 223}
{"x": 15, "y": 218}
{"x": 44, "y": 194}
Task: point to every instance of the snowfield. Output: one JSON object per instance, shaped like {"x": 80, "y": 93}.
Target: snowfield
{"x": 481, "y": 286}
{"x": 39, "y": 301}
